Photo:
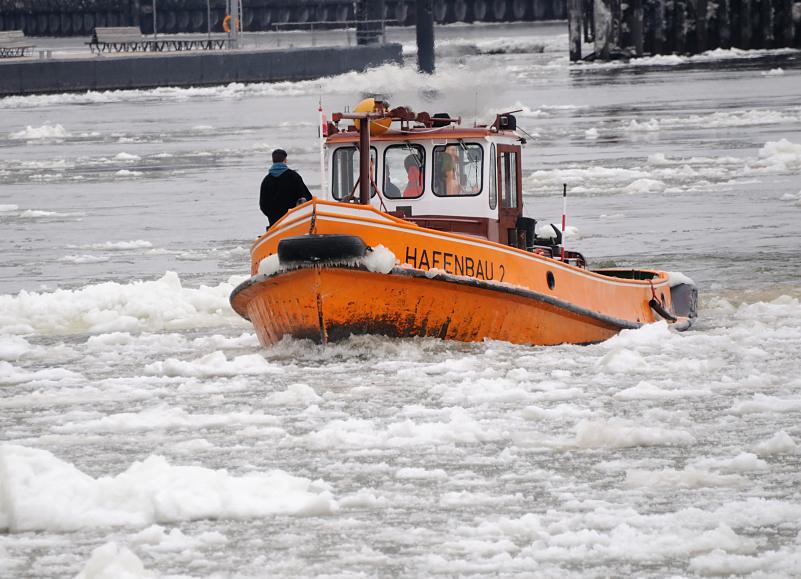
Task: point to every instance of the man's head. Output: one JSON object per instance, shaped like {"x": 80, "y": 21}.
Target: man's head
{"x": 279, "y": 156}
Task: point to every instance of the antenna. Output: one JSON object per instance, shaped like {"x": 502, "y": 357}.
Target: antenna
{"x": 322, "y": 127}
{"x": 564, "y": 217}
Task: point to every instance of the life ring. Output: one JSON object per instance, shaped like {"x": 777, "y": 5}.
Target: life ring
{"x": 227, "y": 23}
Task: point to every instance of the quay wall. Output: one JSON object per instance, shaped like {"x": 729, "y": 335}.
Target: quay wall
{"x": 112, "y": 72}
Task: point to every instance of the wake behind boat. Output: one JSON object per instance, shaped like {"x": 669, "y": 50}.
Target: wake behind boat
{"x": 437, "y": 246}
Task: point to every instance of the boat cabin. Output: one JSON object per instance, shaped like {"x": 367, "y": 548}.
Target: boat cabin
{"x": 435, "y": 173}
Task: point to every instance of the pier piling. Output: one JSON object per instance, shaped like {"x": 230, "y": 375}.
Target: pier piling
{"x": 425, "y": 36}
{"x": 574, "y": 29}
{"x": 625, "y": 28}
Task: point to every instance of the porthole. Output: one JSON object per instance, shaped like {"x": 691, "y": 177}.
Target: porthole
{"x": 551, "y": 280}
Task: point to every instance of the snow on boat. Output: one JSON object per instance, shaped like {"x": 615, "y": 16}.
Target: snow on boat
{"x": 425, "y": 236}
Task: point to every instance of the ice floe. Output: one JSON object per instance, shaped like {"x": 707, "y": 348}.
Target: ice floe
{"x": 42, "y": 492}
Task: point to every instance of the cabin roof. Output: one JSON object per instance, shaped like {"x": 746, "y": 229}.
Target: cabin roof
{"x": 420, "y": 134}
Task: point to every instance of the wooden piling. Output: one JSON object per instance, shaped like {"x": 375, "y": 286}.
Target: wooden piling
{"x": 724, "y": 23}
{"x": 765, "y": 24}
{"x": 786, "y": 22}
{"x": 574, "y": 9}
{"x": 679, "y": 29}
{"x": 682, "y": 26}
{"x": 701, "y": 34}
{"x": 425, "y": 36}
{"x": 615, "y": 28}
{"x": 745, "y": 24}
{"x": 636, "y": 27}
{"x": 603, "y": 28}
{"x": 659, "y": 26}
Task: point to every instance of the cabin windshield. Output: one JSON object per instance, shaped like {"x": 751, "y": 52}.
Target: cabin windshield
{"x": 345, "y": 171}
{"x": 458, "y": 169}
{"x": 404, "y": 171}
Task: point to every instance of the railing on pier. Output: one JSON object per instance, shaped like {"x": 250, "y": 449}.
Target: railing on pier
{"x": 363, "y": 31}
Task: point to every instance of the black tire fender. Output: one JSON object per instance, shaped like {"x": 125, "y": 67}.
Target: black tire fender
{"x": 320, "y": 247}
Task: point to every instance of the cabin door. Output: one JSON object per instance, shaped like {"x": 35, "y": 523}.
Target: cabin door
{"x": 510, "y": 191}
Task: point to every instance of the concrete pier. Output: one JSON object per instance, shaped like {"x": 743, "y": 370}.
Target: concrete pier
{"x": 30, "y": 76}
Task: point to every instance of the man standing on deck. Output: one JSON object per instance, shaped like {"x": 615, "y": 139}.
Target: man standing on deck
{"x": 282, "y": 189}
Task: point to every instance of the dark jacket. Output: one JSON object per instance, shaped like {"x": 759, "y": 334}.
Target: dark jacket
{"x": 280, "y": 194}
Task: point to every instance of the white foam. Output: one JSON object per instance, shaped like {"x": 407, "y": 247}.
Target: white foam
{"x": 10, "y": 374}
{"x": 157, "y": 538}
{"x": 161, "y": 417}
{"x": 126, "y": 157}
{"x": 644, "y": 186}
{"x": 677, "y": 278}
{"x": 743, "y": 462}
{"x": 215, "y": 364}
{"x": 779, "y": 443}
{"x": 379, "y": 259}
{"x": 81, "y": 259}
{"x": 45, "y": 132}
{"x": 778, "y": 71}
{"x": 644, "y": 126}
{"x": 294, "y": 395}
{"x": 459, "y": 427}
{"x": 37, "y": 213}
{"x": 417, "y": 473}
{"x": 645, "y": 390}
{"x": 762, "y": 404}
{"x": 689, "y": 478}
{"x": 620, "y": 434}
{"x": 13, "y": 347}
{"x": 269, "y": 265}
{"x": 7, "y": 208}
{"x": 128, "y": 173}
{"x": 782, "y": 155}
{"x": 108, "y": 307}
{"x": 112, "y": 561}
{"x": 591, "y": 134}
{"x": 117, "y": 245}
{"x": 45, "y": 493}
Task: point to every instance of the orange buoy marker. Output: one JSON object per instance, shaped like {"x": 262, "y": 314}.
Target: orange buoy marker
{"x": 378, "y": 126}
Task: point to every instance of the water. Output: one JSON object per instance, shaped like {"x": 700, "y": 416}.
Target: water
{"x": 127, "y": 219}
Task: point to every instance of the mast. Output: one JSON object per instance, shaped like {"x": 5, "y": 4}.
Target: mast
{"x": 364, "y": 162}
{"x": 364, "y": 119}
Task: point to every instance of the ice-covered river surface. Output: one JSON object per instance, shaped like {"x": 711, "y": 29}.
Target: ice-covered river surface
{"x": 145, "y": 431}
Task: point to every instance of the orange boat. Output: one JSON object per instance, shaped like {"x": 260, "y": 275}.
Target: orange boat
{"x": 438, "y": 246}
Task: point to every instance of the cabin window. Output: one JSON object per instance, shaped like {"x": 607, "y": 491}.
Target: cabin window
{"x": 493, "y": 192}
{"x": 508, "y": 169}
{"x": 404, "y": 171}
{"x": 458, "y": 170}
{"x": 345, "y": 172}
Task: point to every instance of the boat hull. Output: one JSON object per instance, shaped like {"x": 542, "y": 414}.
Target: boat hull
{"x": 330, "y": 303}
{"x": 443, "y": 284}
